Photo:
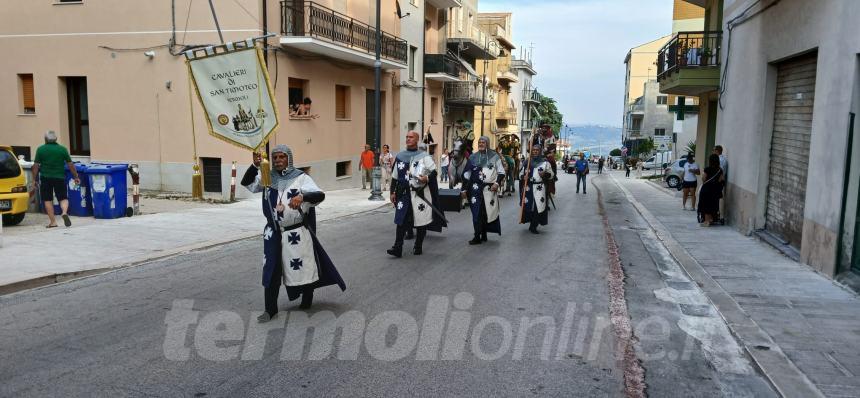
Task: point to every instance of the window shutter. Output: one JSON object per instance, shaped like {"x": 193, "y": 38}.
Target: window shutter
{"x": 27, "y": 92}
{"x": 340, "y": 102}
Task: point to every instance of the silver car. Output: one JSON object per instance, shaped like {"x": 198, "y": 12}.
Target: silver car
{"x": 674, "y": 173}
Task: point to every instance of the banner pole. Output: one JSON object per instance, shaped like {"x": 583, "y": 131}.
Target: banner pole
{"x": 217, "y": 26}
{"x": 196, "y": 178}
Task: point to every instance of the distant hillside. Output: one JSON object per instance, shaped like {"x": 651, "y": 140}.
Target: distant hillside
{"x": 593, "y": 137}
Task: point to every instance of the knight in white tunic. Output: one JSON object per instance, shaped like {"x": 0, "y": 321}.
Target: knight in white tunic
{"x": 414, "y": 194}
{"x": 484, "y": 174}
{"x": 293, "y": 255}
{"x": 537, "y": 172}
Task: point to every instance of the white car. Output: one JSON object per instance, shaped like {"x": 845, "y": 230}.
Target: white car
{"x": 674, "y": 172}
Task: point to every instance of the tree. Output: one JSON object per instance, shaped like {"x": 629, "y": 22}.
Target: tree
{"x": 550, "y": 114}
{"x": 645, "y": 147}
{"x": 691, "y": 147}
{"x": 615, "y": 152}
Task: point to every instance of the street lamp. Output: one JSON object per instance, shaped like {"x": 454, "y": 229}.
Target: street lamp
{"x": 376, "y": 183}
{"x": 487, "y": 45}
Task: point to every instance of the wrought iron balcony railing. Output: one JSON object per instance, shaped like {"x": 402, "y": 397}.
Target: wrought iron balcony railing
{"x": 689, "y": 50}
{"x": 441, "y": 63}
{"x": 309, "y": 19}
{"x": 468, "y": 93}
{"x": 532, "y": 96}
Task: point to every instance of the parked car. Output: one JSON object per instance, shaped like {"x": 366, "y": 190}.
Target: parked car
{"x": 674, "y": 173}
{"x": 14, "y": 194}
{"x": 570, "y": 167}
{"x": 659, "y": 161}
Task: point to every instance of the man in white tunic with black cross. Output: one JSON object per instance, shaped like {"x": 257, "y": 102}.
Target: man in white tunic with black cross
{"x": 292, "y": 255}
{"x": 411, "y": 194}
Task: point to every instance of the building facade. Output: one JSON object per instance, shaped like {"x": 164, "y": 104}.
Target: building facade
{"x": 787, "y": 117}
{"x": 112, "y": 82}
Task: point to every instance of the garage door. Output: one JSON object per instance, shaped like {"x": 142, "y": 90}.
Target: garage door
{"x": 789, "y": 153}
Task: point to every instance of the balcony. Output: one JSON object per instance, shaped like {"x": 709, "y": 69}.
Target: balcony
{"x": 442, "y": 4}
{"x": 310, "y": 27}
{"x": 636, "y": 109}
{"x": 523, "y": 64}
{"x": 532, "y": 97}
{"x": 506, "y": 74}
{"x": 634, "y": 133}
{"x": 509, "y": 114}
{"x": 472, "y": 43}
{"x": 441, "y": 68}
{"x": 468, "y": 93}
{"x": 689, "y": 64}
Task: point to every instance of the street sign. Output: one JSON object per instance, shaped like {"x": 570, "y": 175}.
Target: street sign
{"x": 663, "y": 147}
{"x": 662, "y": 139}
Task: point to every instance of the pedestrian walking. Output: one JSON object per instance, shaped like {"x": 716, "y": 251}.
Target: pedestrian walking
{"x": 627, "y": 168}
{"x": 600, "y": 163}
{"x": 386, "y": 162}
{"x": 691, "y": 170}
{"x": 292, "y": 254}
{"x": 639, "y": 165}
{"x": 50, "y": 174}
{"x": 712, "y": 191}
{"x": 481, "y": 181}
{"x": 444, "y": 161}
{"x": 533, "y": 206}
{"x": 582, "y": 170}
{"x": 414, "y": 194}
{"x": 366, "y": 165}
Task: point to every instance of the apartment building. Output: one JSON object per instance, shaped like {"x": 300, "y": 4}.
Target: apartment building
{"x": 646, "y": 111}
{"x": 110, "y": 79}
{"x": 524, "y": 94}
{"x": 468, "y": 44}
{"x": 787, "y": 114}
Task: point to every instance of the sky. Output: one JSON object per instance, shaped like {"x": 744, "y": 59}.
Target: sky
{"x": 579, "y": 48}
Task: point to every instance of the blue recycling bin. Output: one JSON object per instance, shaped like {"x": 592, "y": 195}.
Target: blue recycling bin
{"x": 109, "y": 186}
{"x": 80, "y": 195}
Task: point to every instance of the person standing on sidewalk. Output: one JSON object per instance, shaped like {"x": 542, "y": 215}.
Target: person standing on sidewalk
{"x": 627, "y": 168}
{"x": 292, "y": 255}
{"x": 582, "y": 170}
{"x": 724, "y": 165}
{"x": 444, "y": 161}
{"x": 600, "y": 163}
{"x": 366, "y": 166}
{"x": 691, "y": 170}
{"x": 50, "y": 174}
{"x": 386, "y": 161}
{"x": 712, "y": 191}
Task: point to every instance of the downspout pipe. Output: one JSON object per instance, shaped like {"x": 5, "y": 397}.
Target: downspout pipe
{"x": 846, "y": 180}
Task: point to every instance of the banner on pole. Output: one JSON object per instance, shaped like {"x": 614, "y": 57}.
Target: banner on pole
{"x": 233, "y": 88}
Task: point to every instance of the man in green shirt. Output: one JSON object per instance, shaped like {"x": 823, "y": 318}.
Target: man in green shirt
{"x": 50, "y": 161}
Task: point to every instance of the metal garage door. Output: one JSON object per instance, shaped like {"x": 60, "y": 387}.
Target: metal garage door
{"x": 789, "y": 152}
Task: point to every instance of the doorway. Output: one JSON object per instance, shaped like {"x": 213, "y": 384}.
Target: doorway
{"x": 79, "y": 120}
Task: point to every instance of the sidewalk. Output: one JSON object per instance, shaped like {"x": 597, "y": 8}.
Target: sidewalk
{"x": 800, "y": 328}
{"x": 37, "y": 258}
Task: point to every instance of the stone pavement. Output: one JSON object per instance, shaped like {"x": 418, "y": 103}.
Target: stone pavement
{"x": 37, "y": 258}
{"x": 799, "y": 327}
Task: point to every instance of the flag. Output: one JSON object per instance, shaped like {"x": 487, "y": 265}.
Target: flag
{"x": 233, "y": 88}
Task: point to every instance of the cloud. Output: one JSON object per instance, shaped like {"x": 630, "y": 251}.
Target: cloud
{"x": 579, "y": 48}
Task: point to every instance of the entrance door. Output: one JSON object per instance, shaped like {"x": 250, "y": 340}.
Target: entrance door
{"x": 789, "y": 153}
{"x": 79, "y": 120}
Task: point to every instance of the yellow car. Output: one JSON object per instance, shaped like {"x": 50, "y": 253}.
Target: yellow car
{"x": 14, "y": 194}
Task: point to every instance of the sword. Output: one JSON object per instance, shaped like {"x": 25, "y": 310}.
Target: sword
{"x": 549, "y": 195}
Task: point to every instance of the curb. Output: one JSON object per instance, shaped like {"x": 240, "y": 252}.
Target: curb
{"x": 786, "y": 379}
{"x": 64, "y": 277}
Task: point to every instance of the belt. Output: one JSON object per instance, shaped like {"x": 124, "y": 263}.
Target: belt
{"x": 294, "y": 226}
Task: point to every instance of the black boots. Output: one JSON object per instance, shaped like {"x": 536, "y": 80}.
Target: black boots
{"x": 307, "y": 299}
{"x": 395, "y": 251}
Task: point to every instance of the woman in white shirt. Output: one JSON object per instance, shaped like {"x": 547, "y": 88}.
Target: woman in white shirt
{"x": 691, "y": 170}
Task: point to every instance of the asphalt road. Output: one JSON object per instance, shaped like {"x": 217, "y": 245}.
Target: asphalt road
{"x": 520, "y": 315}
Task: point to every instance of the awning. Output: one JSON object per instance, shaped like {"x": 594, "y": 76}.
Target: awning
{"x": 469, "y": 68}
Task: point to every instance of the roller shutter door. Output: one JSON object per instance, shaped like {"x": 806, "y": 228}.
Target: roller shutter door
{"x": 789, "y": 152}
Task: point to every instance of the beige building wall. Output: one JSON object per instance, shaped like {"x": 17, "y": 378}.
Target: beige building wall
{"x": 139, "y": 107}
{"x": 687, "y": 17}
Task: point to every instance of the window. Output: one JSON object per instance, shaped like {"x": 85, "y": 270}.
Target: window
{"x": 344, "y": 169}
{"x": 211, "y": 174}
{"x": 662, "y": 100}
{"x": 298, "y": 90}
{"x": 341, "y": 102}
{"x": 22, "y": 150}
{"x": 659, "y": 131}
{"x": 28, "y": 98}
{"x": 434, "y": 108}
{"x": 413, "y": 58}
